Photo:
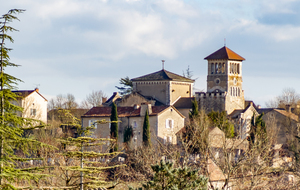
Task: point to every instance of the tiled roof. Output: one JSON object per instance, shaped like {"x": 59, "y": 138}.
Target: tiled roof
{"x": 225, "y": 53}
{"x": 122, "y": 111}
{"x": 184, "y": 102}
{"x": 162, "y": 75}
{"x": 25, "y": 93}
{"x": 279, "y": 110}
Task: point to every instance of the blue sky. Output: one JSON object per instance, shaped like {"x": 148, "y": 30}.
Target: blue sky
{"x": 77, "y": 46}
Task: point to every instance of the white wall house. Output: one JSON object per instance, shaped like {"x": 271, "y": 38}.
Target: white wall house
{"x": 33, "y": 103}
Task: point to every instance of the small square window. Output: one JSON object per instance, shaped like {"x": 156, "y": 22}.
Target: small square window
{"x": 33, "y": 112}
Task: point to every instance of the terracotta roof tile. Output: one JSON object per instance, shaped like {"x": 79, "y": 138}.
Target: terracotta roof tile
{"x": 162, "y": 75}
{"x": 225, "y": 53}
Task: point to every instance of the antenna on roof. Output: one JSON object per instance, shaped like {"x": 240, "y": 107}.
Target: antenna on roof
{"x": 224, "y": 41}
{"x": 163, "y": 64}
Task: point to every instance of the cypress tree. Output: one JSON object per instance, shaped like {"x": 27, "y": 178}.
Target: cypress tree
{"x": 146, "y": 130}
{"x": 114, "y": 125}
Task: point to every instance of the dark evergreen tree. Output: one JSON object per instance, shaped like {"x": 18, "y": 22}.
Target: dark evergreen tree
{"x": 194, "y": 112}
{"x": 258, "y": 131}
{"x": 128, "y": 134}
{"x": 114, "y": 125}
{"x": 146, "y": 130}
{"x": 166, "y": 177}
{"x": 127, "y": 86}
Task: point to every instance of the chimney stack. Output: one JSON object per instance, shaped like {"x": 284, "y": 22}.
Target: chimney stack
{"x": 36, "y": 89}
{"x": 145, "y": 106}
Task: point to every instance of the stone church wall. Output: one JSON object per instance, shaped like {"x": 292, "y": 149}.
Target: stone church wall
{"x": 211, "y": 101}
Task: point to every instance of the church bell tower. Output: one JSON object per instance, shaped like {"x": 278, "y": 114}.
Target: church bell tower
{"x": 225, "y": 76}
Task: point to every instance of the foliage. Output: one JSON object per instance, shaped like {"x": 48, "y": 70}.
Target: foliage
{"x": 128, "y": 134}
{"x": 194, "y": 112}
{"x": 220, "y": 120}
{"x": 167, "y": 177}
{"x": 85, "y": 149}
{"x": 258, "y": 129}
{"x": 94, "y": 99}
{"x": 114, "y": 125}
{"x": 15, "y": 149}
{"x": 63, "y": 102}
{"x": 146, "y": 130}
{"x": 127, "y": 86}
{"x": 188, "y": 74}
{"x": 195, "y": 134}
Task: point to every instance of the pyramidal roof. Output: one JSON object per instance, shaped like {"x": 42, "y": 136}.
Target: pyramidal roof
{"x": 225, "y": 53}
{"x": 162, "y": 75}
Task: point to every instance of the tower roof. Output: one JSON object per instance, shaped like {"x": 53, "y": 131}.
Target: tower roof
{"x": 225, "y": 53}
{"x": 162, "y": 75}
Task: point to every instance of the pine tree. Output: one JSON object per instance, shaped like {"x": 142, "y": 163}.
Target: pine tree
{"x": 15, "y": 149}
{"x": 114, "y": 126}
{"x": 146, "y": 130}
{"x": 167, "y": 177}
{"x": 84, "y": 149}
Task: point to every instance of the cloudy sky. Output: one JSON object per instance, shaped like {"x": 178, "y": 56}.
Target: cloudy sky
{"x": 77, "y": 46}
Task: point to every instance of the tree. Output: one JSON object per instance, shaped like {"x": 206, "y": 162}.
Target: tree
{"x": 146, "y": 130}
{"x": 15, "y": 149}
{"x": 167, "y": 177}
{"x": 84, "y": 150}
{"x": 194, "y": 112}
{"x": 63, "y": 102}
{"x": 188, "y": 74}
{"x": 220, "y": 120}
{"x": 94, "y": 99}
{"x": 127, "y": 86}
{"x": 258, "y": 130}
{"x": 114, "y": 125}
{"x": 288, "y": 97}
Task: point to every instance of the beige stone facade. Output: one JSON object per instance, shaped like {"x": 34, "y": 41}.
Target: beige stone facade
{"x": 165, "y": 122}
{"x": 33, "y": 103}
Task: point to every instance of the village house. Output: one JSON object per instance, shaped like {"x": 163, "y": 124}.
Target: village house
{"x": 165, "y": 121}
{"x": 34, "y": 104}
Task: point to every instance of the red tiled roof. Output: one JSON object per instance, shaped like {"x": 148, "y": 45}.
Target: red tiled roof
{"x": 122, "y": 111}
{"x": 225, "y": 53}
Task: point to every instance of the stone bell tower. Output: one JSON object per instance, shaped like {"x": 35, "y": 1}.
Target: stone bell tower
{"x": 224, "y": 81}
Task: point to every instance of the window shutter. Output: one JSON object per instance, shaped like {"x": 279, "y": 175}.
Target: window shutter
{"x": 167, "y": 123}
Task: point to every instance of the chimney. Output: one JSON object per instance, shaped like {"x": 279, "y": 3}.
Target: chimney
{"x": 145, "y": 106}
{"x": 136, "y": 106}
{"x": 36, "y": 89}
{"x": 104, "y": 99}
{"x": 288, "y": 108}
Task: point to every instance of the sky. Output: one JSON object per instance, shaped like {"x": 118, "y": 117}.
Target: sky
{"x": 80, "y": 46}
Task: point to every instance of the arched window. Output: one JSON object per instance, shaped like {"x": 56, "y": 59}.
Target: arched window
{"x": 232, "y": 69}
{"x": 239, "y": 91}
{"x": 223, "y": 68}
{"x": 212, "y": 68}
{"x": 238, "y": 68}
{"x": 230, "y": 91}
{"x": 216, "y": 68}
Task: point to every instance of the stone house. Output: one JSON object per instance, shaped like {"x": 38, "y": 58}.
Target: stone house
{"x": 165, "y": 121}
{"x": 34, "y": 104}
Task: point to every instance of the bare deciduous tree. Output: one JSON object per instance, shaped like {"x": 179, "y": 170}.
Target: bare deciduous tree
{"x": 94, "y": 99}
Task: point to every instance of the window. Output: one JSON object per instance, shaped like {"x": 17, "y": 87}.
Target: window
{"x": 170, "y": 140}
{"x": 93, "y": 122}
{"x": 169, "y": 123}
{"x": 238, "y": 68}
{"x": 33, "y": 112}
{"x": 134, "y": 125}
{"x": 212, "y": 68}
{"x": 165, "y": 139}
